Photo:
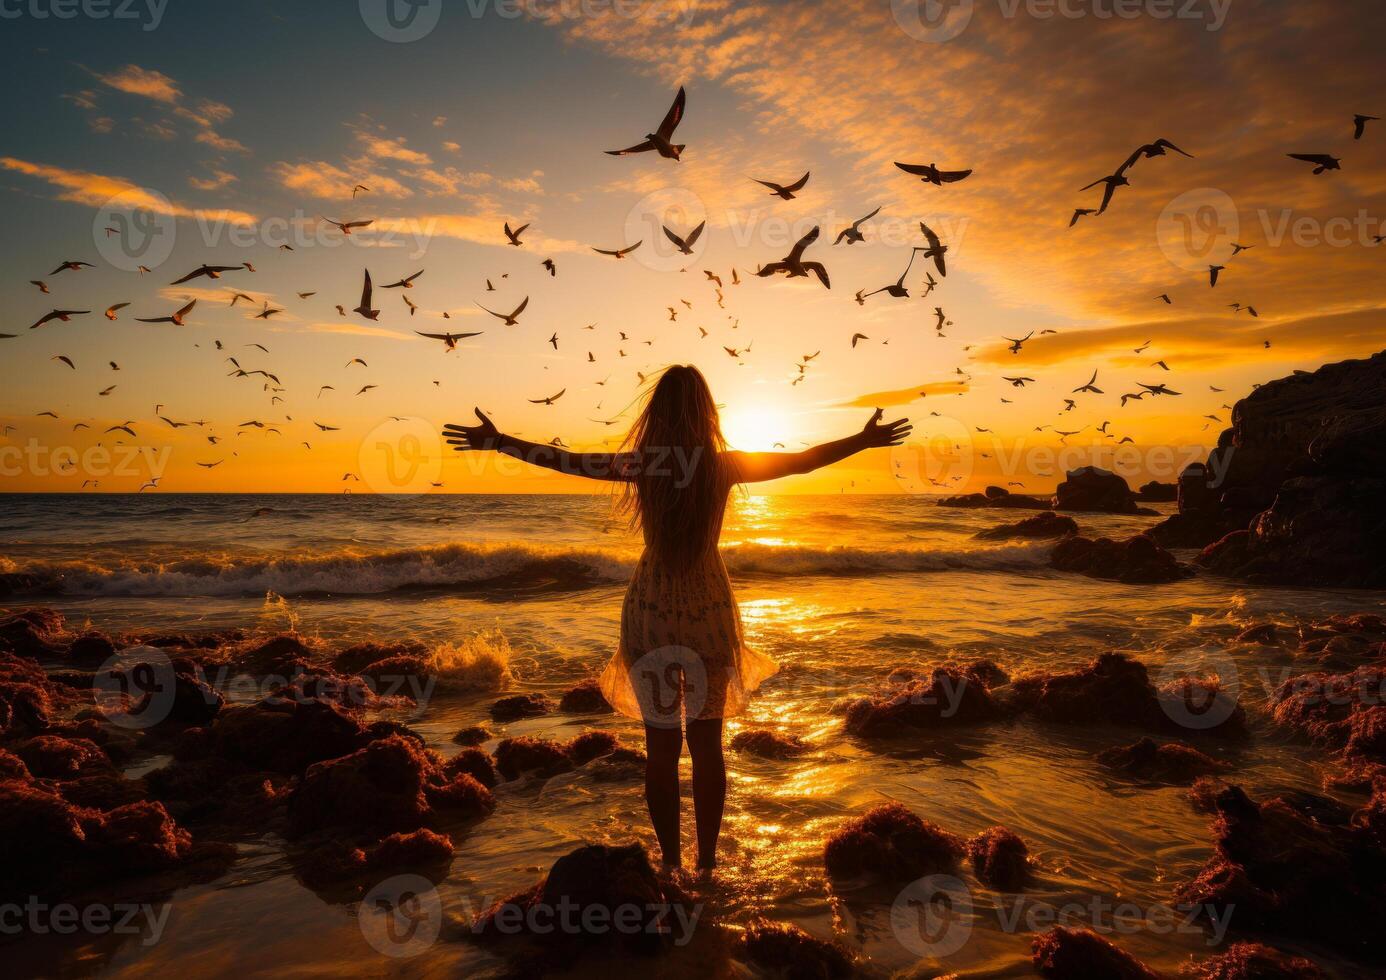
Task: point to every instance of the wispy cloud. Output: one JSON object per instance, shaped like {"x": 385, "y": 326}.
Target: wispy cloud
{"x": 145, "y": 82}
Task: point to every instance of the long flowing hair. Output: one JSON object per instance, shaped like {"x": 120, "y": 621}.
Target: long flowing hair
{"x": 677, "y": 492}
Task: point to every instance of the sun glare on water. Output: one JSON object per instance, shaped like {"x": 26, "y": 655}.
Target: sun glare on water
{"x": 758, "y": 429}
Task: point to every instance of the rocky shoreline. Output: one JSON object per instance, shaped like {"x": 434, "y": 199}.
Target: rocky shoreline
{"x": 355, "y": 797}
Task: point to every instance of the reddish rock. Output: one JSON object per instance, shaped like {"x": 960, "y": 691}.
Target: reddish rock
{"x": 282, "y": 735}
{"x": 53, "y": 757}
{"x": 91, "y": 649}
{"x": 35, "y": 633}
{"x": 1168, "y": 763}
{"x": 1293, "y": 865}
{"x": 769, "y": 745}
{"x": 518, "y": 706}
{"x": 952, "y": 696}
{"x": 12, "y": 766}
{"x": 591, "y": 745}
{"x": 1000, "y": 859}
{"x": 1113, "y": 689}
{"x": 1252, "y": 961}
{"x": 1045, "y": 525}
{"x": 515, "y": 756}
{"x": 475, "y": 735}
{"x": 1157, "y": 492}
{"x": 354, "y": 659}
{"x": 474, "y": 763}
{"x": 1338, "y": 711}
{"x": 1080, "y": 954}
{"x": 593, "y": 881}
{"x": 620, "y": 764}
{"x": 1137, "y": 560}
{"x": 283, "y": 655}
{"x": 391, "y": 785}
{"x": 783, "y": 949}
{"x": 585, "y": 698}
{"x": 891, "y": 842}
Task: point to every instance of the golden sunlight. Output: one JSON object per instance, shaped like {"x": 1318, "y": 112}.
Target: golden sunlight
{"x": 759, "y": 428}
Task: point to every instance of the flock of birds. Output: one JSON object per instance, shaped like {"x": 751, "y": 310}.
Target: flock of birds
{"x": 793, "y": 265}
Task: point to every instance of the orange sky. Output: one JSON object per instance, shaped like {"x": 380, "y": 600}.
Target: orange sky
{"x": 237, "y": 156}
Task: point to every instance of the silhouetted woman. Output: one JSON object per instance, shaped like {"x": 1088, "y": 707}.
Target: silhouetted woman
{"x": 682, "y": 663}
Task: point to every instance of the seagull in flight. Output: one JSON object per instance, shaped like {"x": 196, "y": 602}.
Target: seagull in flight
{"x": 935, "y": 250}
{"x": 514, "y": 236}
{"x": 406, "y": 283}
{"x": 510, "y": 319}
{"x": 661, "y": 139}
{"x": 1090, "y": 386}
{"x": 176, "y": 318}
{"x": 1016, "y": 344}
{"x": 684, "y": 245}
{"x": 793, "y": 264}
{"x": 1321, "y": 161}
{"x": 1213, "y": 271}
{"x": 618, "y": 253}
{"x": 852, "y": 233}
{"x": 346, "y": 226}
{"x": 1113, "y": 182}
{"x": 449, "y": 339}
{"x": 1359, "y": 123}
{"x": 74, "y": 266}
{"x": 210, "y": 271}
{"x": 1080, "y": 213}
{"x": 365, "y": 308}
{"x": 1149, "y": 152}
{"x": 784, "y": 191}
{"x": 547, "y": 401}
{"x": 63, "y": 315}
{"x": 1157, "y": 389}
{"x": 932, "y": 175}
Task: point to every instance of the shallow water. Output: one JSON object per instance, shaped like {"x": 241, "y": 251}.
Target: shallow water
{"x": 838, "y": 589}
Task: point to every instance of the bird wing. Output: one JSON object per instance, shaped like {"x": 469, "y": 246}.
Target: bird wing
{"x": 366, "y": 291}
{"x": 694, "y": 235}
{"x": 953, "y": 176}
{"x": 929, "y": 234}
{"x": 866, "y": 217}
{"x": 1321, "y": 159}
{"x": 918, "y": 169}
{"x": 1170, "y": 146}
{"x": 672, "y": 117}
{"x": 187, "y": 309}
{"x": 798, "y": 184}
{"x": 818, "y": 269}
{"x": 679, "y": 242}
{"x": 637, "y": 148}
{"x": 797, "y": 252}
{"x": 521, "y": 308}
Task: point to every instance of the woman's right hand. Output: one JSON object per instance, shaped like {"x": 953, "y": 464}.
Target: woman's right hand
{"x": 464, "y": 437}
{"x": 874, "y": 435}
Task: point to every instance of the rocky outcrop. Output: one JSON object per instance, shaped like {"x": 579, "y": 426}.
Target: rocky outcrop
{"x": 1081, "y": 954}
{"x": 1045, "y": 525}
{"x": 892, "y": 843}
{"x": 1302, "y": 472}
{"x": 1137, "y": 560}
{"x": 1156, "y": 492}
{"x": 1095, "y": 489}
{"x": 995, "y": 497}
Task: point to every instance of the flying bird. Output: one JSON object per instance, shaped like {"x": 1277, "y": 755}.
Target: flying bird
{"x": 510, "y": 319}
{"x": 553, "y": 269}
{"x": 1090, "y": 386}
{"x": 660, "y": 139}
{"x": 785, "y": 191}
{"x": 1112, "y": 182}
{"x": 65, "y": 359}
{"x": 1165, "y": 297}
{"x": 1157, "y": 389}
{"x": 935, "y": 250}
{"x": 176, "y": 318}
{"x": 63, "y": 315}
{"x": 514, "y": 237}
{"x": 684, "y": 245}
{"x": 365, "y": 308}
{"x": 1213, "y": 271}
{"x": 932, "y": 175}
{"x": 42, "y": 286}
{"x": 406, "y": 283}
{"x": 210, "y": 271}
{"x": 858, "y": 336}
{"x": 1359, "y": 123}
{"x": 793, "y": 264}
{"x": 74, "y": 266}
{"x": 618, "y": 253}
{"x": 1321, "y": 161}
{"x": 547, "y": 401}
{"x": 852, "y": 233}
{"x": 1149, "y": 152}
{"x": 1017, "y": 343}
{"x": 346, "y": 226}
{"x": 449, "y": 339}
{"x": 1080, "y": 213}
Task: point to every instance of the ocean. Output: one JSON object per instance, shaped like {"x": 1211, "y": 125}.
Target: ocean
{"x": 840, "y": 590}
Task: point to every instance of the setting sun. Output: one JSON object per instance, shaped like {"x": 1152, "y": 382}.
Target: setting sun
{"x": 757, "y": 429}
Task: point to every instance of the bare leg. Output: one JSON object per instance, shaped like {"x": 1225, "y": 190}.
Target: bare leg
{"x": 709, "y": 785}
{"x": 662, "y": 749}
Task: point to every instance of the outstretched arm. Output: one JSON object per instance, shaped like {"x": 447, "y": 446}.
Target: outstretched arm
{"x": 757, "y": 467}
{"x": 596, "y": 466}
